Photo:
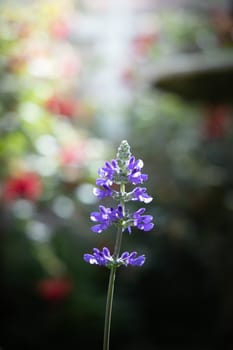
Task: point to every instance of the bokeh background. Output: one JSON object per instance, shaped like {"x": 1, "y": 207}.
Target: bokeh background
{"x": 77, "y": 77}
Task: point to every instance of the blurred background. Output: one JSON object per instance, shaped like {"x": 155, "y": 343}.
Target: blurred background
{"x": 77, "y": 77}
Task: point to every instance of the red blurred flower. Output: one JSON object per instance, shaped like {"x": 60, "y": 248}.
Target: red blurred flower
{"x": 61, "y": 106}
{"x": 26, "y": 185}
{"x": 216, "y": 122}
{"x": 54, "y": 289}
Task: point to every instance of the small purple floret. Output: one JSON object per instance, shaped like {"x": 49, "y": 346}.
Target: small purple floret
{"x": 107, "y": 173}
{"x": 105, "y": 217}
{"x": 102, "y": 193}
{"x": 131, "y": 259}
{"x": 99, "y": 258}
{"x": 140, "y": 194}
{"x": 142, "y": 222}
{"x": 135, "y": 176}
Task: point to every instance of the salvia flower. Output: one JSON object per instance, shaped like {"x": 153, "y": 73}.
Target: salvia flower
{"x": 139, "y": 194}
{"x": 104, "y": 192}
{"x": 125, "y": 169}
{"x": 134, "y": 171}
{"x": 143, "y": 222}
{"x": 116, "y": 174}
{"x": 104, "y": 258}
{"x": 106, "y": 217}
{"x": 132, "y": 259}
{"x": 113, "y": 178}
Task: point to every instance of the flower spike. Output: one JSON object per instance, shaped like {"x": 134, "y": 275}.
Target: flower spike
{"x": 113, "y": 178}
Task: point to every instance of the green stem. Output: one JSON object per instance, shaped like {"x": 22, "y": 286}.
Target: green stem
{"x": 108, "y": 311}
{"x": 111, "y": 283}
{"x": 119, "y": 232}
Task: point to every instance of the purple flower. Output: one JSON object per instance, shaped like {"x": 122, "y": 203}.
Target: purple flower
{"x": 104, "y": 258}
{"x": 99, "y": 258}
{"x": 106, "y": 217}
{"x": 102, "y": 193}
{"x": 116, "y": 171}
{"x": 104, "y": 182}
{"x": 134, "y": 167}
{"x": 127, "y": 258}
{"x": 142, "y": 222}
{"x": 123, "y": 170}
{"x": 107, "y": 173}
{"x": 140, "y": 194}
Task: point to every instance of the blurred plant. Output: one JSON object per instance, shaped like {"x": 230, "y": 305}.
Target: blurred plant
{"x": 43, "y": 125}
{"x": 123, "y": 170}
{"x": 47, "y": 152}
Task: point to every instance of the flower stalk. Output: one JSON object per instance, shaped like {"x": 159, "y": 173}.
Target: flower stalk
{"x": 125, "y": 169}
{"x": 112, "y": 276}
{"x": 120, "y": 228}
{"x": 108, "y": 310}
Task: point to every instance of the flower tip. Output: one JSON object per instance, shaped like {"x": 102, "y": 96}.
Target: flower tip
{"x": 124, "y": 142}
